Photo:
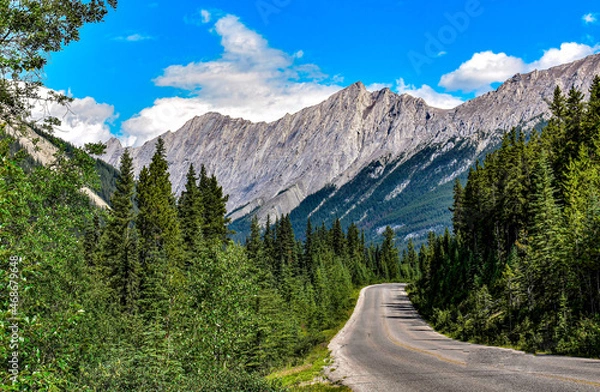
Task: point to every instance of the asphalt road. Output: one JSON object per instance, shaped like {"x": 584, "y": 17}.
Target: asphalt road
{"x": 386, "y": 346}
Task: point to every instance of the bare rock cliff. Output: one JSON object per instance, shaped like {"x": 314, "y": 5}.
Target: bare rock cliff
{"x": 272, "y": 167}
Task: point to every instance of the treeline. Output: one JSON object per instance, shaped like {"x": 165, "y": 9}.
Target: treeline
{"x": 152, "y": 295}
{"x": 523, "y": 268}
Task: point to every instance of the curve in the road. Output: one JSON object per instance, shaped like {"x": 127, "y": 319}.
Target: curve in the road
{"x": 386, "y": 346}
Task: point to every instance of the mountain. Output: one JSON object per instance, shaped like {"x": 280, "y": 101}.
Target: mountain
{"x": 376, "y": 158}
{"x": 42, "y": 147}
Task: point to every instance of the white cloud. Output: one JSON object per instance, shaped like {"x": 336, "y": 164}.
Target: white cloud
{"x": 250, "y": 80}
{"x": 134, "y": 38}
{"x": 205, "y": 16}
{"x": 378, "y": 86}
{"x": 589, "y": 18}
{"x": 484, "y": 68}
{"x": 432, "y": 97}
{"x": 481, "y": 71}
{"x": 83, "y": 121}
{"x": 568, "y": 52}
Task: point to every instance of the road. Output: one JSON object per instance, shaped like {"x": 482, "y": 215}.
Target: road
{"x": 386, "y": 346}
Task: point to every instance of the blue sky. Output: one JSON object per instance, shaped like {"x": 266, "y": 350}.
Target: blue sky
{"x": 152, "y": 65}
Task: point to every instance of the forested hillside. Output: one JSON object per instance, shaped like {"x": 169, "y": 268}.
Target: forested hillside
{"x": 157, "y": 298}
{"x": 523, "y": 267}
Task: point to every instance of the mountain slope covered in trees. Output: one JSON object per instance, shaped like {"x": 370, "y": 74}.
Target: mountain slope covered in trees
{"x": 401, "y": 153}
{"x": 157, "y": 298}
{"x": 523, "y": 267}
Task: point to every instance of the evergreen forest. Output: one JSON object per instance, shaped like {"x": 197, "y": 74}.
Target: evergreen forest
{"x": 522, "y": 268}
{"x": 152, "y": 295}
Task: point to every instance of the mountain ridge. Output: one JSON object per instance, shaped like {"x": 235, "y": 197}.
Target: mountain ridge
{"x": 271, "y": 168}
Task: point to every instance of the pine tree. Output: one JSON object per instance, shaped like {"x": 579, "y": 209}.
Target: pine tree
{"x": 547, "y": 260}
{"x": 158, "y": 219}
{"x": 191, "y": 211}
{"x": 574, "y": 128}
{"x": 338, "y": 239}
{"x": 285, "y": 245}
{"x": 269, "y": 244}
{"x": 308, "y": 264}
{"x": 254, "y": 243}
{"x": 214, "y": 225}
{"x": 161, "y": 253}
{"x": 412, "y": 260}
{"x": 91, "y": 241}
{"x": 120, "y": 240}
{"x": 458, "y": 219}
{"x": 389, "y": 254}
{"x": 591, "y": 126}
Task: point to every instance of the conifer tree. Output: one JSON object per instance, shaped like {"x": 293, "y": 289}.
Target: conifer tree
{"x": 157, "y": 220}
{"x": 591, "y": 126}
{"x": 214, "y": 225}
{"x": 254, "y": 245}
{"x": 458, "y": 220}
{"x": 389, "y": 254}
{"x": 338, "y": 239}
{"x": 547, "y": 260}
{"x": 191, "y": 211}
{"x": 285, "y": 245}
{"x": 120, "y": 241}
{"x": 161, "y": 253}
{"x": 91, "y": 241}
{"x": 269, "y": 244}
{"x": 307, "y": 264}
{"x": 412, "y": 260}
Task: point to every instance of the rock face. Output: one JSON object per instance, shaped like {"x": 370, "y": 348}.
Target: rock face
{"x": 270, "y": 168}
{"x": 43, "y": 152}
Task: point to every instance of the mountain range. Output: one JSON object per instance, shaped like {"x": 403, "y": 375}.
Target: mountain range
{"x": 374, "y": 158}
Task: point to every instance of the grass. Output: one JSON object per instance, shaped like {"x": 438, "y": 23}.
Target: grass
{"x": 308, "y": 376}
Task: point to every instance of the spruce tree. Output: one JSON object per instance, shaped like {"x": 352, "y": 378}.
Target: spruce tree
{"x": 253, "y": 242}
{"x": 120, "y": 240}
{"x": 591, "y": 127}
{"x": 307, "y": 264}
{"x": 546, "y": 260}
{"x": 91, "y": 241}
{"x": 269, "y": 244}
{"x": 214, "y": 225}
{"x": 389, "y": 255}
{"x": 412, "y": 260}
{"x": 191, "y": 211}
{"x": 338, "y": 239}
{"x": 161, "y": 253}
{"x": 458, "y": 219}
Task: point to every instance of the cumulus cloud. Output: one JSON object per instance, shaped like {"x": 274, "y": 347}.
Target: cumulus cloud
{"x": 567, "y": 53}
{"x": 250, "y": 80}
{"x": 589, "y": 18}
{"x": 83, "y": 121}
{"x": 432, "y": 97}
{"x": 481, "y": 71}
{"x": 484, "y": 68}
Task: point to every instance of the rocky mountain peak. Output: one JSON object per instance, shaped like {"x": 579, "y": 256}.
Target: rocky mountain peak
{"x": 270, "y": 168}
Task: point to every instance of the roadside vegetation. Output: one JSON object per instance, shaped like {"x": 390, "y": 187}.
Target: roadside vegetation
{"x": 523, "y": 266}
{"x": 153, "y": 295}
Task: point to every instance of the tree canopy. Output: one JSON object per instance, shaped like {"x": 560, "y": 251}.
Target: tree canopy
{"x": 29, "y": 31}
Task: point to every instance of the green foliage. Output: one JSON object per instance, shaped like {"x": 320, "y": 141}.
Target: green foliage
{"x": 130, "y": 299}
{"x": 191, "y": 211}
{"x": 29, "y": 31}
{"x": 214, "y": 222}
{"x": 108, "y": 174}
{"x": 522, "y": 267}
